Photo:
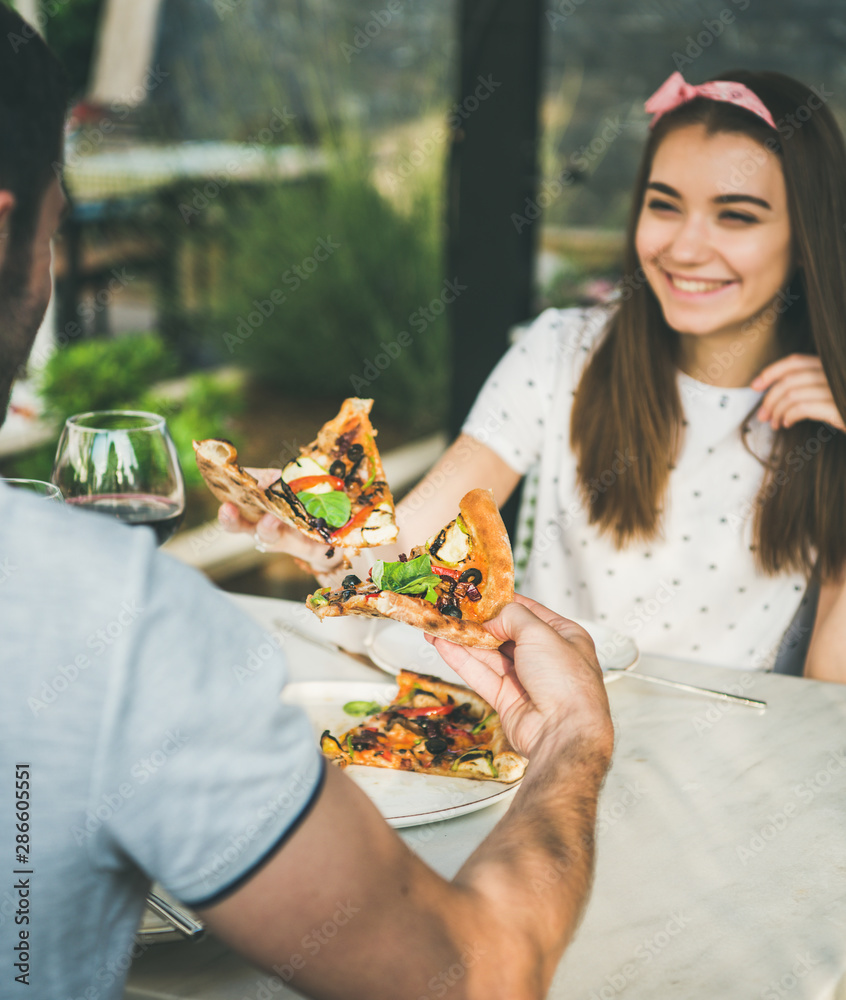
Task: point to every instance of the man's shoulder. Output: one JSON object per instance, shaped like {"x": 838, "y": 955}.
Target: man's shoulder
{"x": 56, "y": 538}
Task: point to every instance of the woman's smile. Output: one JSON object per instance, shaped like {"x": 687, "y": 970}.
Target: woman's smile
{"x": 693, "y": 288}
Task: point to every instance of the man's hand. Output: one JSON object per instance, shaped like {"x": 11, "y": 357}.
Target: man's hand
{"x": 547, "y": 686}
{"x": 544, "y": 679}
{"x": 797, "y": 390}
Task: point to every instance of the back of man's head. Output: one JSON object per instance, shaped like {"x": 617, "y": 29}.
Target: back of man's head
{"x": 33, "y": 102}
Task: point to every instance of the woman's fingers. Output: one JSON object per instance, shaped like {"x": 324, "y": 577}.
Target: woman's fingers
{"x": 798, "y": 390}
{"x": 231, "y": 519}
{"x": 264, "y": 477}
{"x": 806, "y": 402}
{"x": 790, "y": 385}
{"x": 792, "y": 364}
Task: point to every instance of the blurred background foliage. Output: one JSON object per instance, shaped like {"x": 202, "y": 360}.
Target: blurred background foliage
{"x": 73, "y": 33}
{"x": 99, "y": 374}
{"x": 333, "y": 318}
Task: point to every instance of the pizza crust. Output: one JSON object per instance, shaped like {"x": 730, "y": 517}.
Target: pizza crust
{"x": 218, "y": 465}
{"x": 413, "y": 611}
{"x": 488, "y": 536}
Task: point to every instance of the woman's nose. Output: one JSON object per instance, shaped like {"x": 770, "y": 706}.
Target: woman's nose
{"x": 689, "y": 244}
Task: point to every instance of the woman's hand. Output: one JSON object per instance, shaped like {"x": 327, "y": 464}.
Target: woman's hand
{"x": 273, "y": 535}
{"x": 544, "y": 681}
{"x": 797, "y": 389}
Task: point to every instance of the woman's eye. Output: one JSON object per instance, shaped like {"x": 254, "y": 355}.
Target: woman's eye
{"x": 737, "y": 217}
{"x": 661, "y": 206}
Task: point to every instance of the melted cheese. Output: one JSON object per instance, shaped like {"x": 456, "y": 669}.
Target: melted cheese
{"x": 304, "y": 466}
{"x": 456, "y": 547}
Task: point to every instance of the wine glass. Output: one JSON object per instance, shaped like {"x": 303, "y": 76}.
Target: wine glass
{"x": 122, "y": 463}
{"x": 42, "y": 490}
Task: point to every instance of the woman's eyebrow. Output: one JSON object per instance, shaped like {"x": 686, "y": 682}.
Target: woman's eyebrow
{"x": 664, "y": 189}
{"x": 721, "y": 199}
{"x": 730, "y": 199}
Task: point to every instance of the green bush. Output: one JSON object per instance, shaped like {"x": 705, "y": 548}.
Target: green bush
{"x": 308, "y": 326}
{"x": 102, "y": 374}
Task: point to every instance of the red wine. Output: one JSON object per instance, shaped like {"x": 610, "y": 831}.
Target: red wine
{"x": 163, "y": 516}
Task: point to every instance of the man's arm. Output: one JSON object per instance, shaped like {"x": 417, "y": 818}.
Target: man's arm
{"x": 344, "y": 909}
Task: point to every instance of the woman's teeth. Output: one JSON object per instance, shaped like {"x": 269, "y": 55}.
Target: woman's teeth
{"x": 687, "y": 285}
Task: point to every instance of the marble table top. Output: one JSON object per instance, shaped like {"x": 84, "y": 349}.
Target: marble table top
{"x": 721, "y": 862}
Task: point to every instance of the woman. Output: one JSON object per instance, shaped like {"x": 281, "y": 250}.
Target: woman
{"x": 685, "y": 449}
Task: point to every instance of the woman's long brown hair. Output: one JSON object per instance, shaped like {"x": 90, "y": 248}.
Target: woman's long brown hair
{"x": 628, "y": 396}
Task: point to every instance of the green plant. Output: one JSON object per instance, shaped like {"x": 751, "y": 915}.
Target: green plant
{"x": 35, "y": 464}
{"x": 102, "y": 374}
{"x": 323, "y": 291}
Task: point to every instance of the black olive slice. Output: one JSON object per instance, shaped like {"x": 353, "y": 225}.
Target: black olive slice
{"x": 451, "y": 610}
{"x": 471, "y": 575}
{"x": 437, "y": 744}
{"x": 338, "y": 469}
{"x": 350, "y": 581}
{"x": 354, "y": 452}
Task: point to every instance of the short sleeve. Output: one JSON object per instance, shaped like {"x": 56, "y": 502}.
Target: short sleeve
{"x": 512, "y": 409}
{"x": 201, "y": 770}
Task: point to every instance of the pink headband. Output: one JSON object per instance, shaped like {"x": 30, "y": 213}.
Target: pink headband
{"x": 674, "y": 92}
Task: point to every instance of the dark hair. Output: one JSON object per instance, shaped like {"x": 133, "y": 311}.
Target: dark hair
{"x": 33, "y": 103}
{"x": 800, "y": 513}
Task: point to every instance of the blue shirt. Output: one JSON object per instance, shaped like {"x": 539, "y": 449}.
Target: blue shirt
{"x": 141, "y": 747}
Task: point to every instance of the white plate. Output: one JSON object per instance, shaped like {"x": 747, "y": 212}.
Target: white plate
{"x": 404, "y": 798}
{"x": 395, "y": 646}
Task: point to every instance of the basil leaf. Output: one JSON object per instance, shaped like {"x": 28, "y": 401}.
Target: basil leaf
{"x": 333, "y": 507}
{"x": 412, "y": 577}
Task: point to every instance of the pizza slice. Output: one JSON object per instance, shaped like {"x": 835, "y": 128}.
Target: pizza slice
{"x": 433, "y": 727}
{"x": 461, "y": 577}
{"x": 334, "y": 492}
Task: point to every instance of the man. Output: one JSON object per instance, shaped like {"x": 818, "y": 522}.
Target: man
{"x": 130, "y": 749}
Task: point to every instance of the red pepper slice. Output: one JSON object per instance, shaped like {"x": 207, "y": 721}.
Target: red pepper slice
{"x": 416, "y": 713}
{"x": 445, "y": 571}
{"x": 354, "y": 522}
{"x": 306, "y": 483}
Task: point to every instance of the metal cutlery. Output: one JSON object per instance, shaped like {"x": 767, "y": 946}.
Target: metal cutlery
{"x": 179, "y": 919}
{"x": 679, "y": 685}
